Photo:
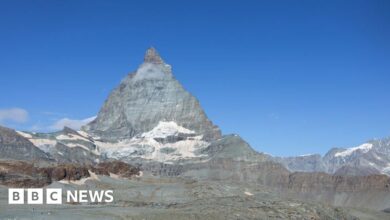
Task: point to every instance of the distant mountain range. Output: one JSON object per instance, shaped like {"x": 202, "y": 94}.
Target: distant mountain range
{"x": 372, "y": 157}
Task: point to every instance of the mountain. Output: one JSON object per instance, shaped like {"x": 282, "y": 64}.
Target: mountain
{"x": 149, "y": 116}
{"x": 144, "y": 99}
{"x": 372, "y": 157}
{"x": 154, "y": 145}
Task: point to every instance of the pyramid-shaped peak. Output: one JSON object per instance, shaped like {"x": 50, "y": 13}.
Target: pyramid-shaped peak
{"x": 152, "y": 56}
{"x": 146, "y": 98}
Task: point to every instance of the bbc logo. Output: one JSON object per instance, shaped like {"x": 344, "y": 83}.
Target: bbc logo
{"x": 34, "y": 196}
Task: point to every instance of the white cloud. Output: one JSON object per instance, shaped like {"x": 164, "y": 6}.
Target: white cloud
{"x": 71, "y": 123}
{"x": 17, "y": 115}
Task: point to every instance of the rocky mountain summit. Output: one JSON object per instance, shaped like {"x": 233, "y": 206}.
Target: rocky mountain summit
{"x": 147, "y": 97}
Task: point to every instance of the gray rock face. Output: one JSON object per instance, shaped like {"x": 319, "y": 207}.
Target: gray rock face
{"x": 349, "y": 170}
{"x": 15, "y": 146}
{"x": 304, "y": 163}
{"x": 64, "y": 154}
{"x": 232, "y": 147}
{"x": 144, "y": 98}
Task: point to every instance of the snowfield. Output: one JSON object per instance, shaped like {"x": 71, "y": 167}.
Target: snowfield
{"x": 143, "y": 145}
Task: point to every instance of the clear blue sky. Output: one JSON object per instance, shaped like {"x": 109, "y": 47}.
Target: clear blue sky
{"x": 291, "y": 77}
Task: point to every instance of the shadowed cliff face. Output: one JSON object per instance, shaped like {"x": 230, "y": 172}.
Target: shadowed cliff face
{"x": 146, "y": 97}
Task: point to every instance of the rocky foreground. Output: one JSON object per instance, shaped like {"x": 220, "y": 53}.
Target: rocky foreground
{"x": 151, "y": 197}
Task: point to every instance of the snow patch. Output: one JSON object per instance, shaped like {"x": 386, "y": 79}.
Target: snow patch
{"x": 26, "y": 135}
{"x": 165, "y": 129}
{"x": 114, "y": 176}
{"x": 248, "y": 193}
{"x": 46, "y": 144}
{"x": 43, "y": 144}
{"x": 71, "y": 137}
{"x": 71, "y": 145}
{"x": 83, "y": 133}
{"x": 364, "y": 148}
{"x": 140, "y": 174}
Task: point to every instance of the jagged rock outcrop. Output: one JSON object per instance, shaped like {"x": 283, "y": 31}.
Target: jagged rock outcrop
{"x": 147, "y": 97}
{"x": 17, "y": 147}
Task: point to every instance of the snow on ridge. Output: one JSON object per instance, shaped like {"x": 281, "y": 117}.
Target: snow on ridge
{"x": 364, "y": 148}
{"x": 26, "y": 135}
{"x": 46, "y": 144}
{"x": 83, "y": 134}
{"x": 43, "y": 144}
{"x": 165, "y": 129}
{"x": 71, "y": 137}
